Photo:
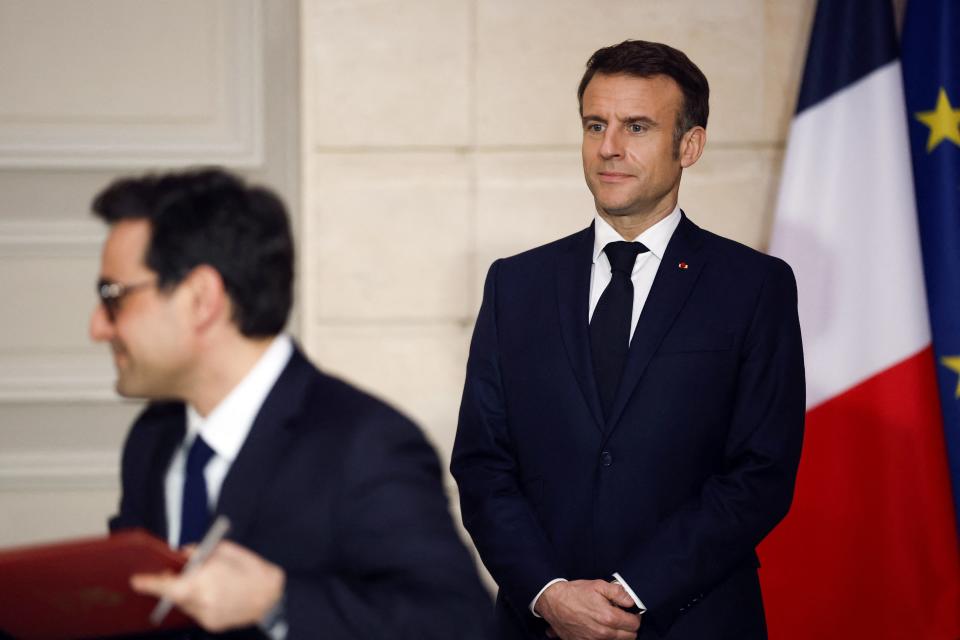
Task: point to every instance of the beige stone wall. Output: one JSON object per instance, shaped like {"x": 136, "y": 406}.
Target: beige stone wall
{"x": 441, "y": 134}
{"x": 436, "y": 135}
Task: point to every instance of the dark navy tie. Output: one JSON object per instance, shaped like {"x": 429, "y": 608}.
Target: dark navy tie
{"x": 195, "y": 510}
{"x": 610, "y": 324}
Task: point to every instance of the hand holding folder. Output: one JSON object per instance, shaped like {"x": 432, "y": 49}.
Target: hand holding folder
{"x": 81, "y": 588}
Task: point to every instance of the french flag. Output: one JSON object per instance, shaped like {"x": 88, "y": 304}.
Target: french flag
{"x": 870, "y": 547}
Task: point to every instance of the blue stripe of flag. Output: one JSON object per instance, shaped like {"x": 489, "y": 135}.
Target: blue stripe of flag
{"x": 850, "y": 38}
{"x": 931, "y": 68}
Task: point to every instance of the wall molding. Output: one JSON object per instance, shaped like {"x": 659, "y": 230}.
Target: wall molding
{"x": 59, "y": 470}
{"x": 53, "y": 375}
{"x": 231, "y": 134}
{"x": 56, "y": 377}
{"x": 50, "y": 238}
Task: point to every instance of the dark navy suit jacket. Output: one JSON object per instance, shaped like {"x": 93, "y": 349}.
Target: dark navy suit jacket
{"x": 695, "y": 465}
{"x": 342, "y": 492}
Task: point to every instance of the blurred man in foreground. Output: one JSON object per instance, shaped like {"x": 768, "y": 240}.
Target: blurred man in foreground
{"x": 340, "y": 527}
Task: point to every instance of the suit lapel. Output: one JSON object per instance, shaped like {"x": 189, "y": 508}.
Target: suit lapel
{"x": 573, "y": 297}
{"x": 269, "y": 437}
{"x": 169, "y": 437}
{"x": 671, "y": 288}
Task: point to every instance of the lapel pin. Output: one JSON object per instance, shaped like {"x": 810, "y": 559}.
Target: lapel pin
{"x": 684, "y": 266}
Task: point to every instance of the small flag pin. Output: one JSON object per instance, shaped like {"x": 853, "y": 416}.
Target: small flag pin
{"x": 683, "y": 265}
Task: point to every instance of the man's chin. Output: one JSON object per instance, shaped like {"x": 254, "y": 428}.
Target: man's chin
{"x": 613, "y": 204}
{"x": 122, "y": 390}
{"x": 131, "y": 390}
{"x": 616, "y": 209}
{"x": 127, "y": 388}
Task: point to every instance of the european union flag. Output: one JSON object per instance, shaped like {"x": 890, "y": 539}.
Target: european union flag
{"x": 931, "y": 73}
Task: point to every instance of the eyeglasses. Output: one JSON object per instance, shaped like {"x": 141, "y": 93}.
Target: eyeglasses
{"x": 112, "y": 294}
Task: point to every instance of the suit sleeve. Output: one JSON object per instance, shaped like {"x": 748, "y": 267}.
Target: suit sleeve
{"x": 504, "y": 529}
{"x": 401, "y": 570}
{"x": 701, "y": 543}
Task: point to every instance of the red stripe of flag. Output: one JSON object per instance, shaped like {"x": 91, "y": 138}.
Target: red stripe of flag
{"x": 869, "y": 548}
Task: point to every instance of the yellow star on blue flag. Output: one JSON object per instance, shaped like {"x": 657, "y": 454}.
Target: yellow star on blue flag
{"x": 953, "y": 363}
{"x": 944, "y": 122}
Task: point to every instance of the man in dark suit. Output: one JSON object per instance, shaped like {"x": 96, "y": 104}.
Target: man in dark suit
{"x": 633, "y": 409}
{"x": 340, "y": 527}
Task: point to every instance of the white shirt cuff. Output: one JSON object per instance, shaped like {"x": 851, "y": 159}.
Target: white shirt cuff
{"x": 533, "y": 603}
{"x": 623, "y": 583}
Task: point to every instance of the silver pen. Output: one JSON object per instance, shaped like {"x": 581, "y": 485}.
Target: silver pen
{"x": 215, "y": 534}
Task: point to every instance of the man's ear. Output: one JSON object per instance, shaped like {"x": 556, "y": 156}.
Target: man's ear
{"x": 208, "y": 298}
{"x": 691, "y": 146}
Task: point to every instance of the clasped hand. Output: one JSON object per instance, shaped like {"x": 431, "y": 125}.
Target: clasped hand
{"x": 588, "y": 610}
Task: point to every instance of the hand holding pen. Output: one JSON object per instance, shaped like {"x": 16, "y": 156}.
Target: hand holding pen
{"x": 223, "y": 585}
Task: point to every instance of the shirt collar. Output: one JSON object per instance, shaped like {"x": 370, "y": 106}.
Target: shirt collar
{"x": 227, "y": 426}
{"x": 656, "y": 238}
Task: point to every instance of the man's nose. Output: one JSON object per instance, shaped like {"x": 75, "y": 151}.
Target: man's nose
{"x": 611, "y": 146}
{"x": 101, "y": 329}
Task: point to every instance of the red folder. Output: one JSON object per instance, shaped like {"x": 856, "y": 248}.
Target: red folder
{"x": 81, "y": 588}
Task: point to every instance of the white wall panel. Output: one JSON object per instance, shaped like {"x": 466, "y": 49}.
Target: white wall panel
{"x": 119, "y": 83}
{"x": 42, "y": 515}
{"x": 59, "y": 467}
{"x": 65, "y": 470}
{"x": 49, "y": 269}
{"x": 56, "y": 377}
{"x": 24, "y": 238}
{"x": 91, "y": 90}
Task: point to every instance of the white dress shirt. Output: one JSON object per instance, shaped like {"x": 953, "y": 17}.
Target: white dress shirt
{"x": 655, "y": 239}
{"x": 225, "y": 429}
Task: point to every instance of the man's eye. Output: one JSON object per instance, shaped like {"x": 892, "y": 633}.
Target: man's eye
{"x": 637, "y": 128}
{"x": 595, "y": 127}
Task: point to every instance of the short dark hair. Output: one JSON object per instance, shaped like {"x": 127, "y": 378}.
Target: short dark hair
{"x": 212, "y": 217}
{"x": 647, "y": 59}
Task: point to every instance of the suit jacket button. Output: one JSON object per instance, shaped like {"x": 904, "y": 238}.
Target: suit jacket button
{"x": 606, "y": 458}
